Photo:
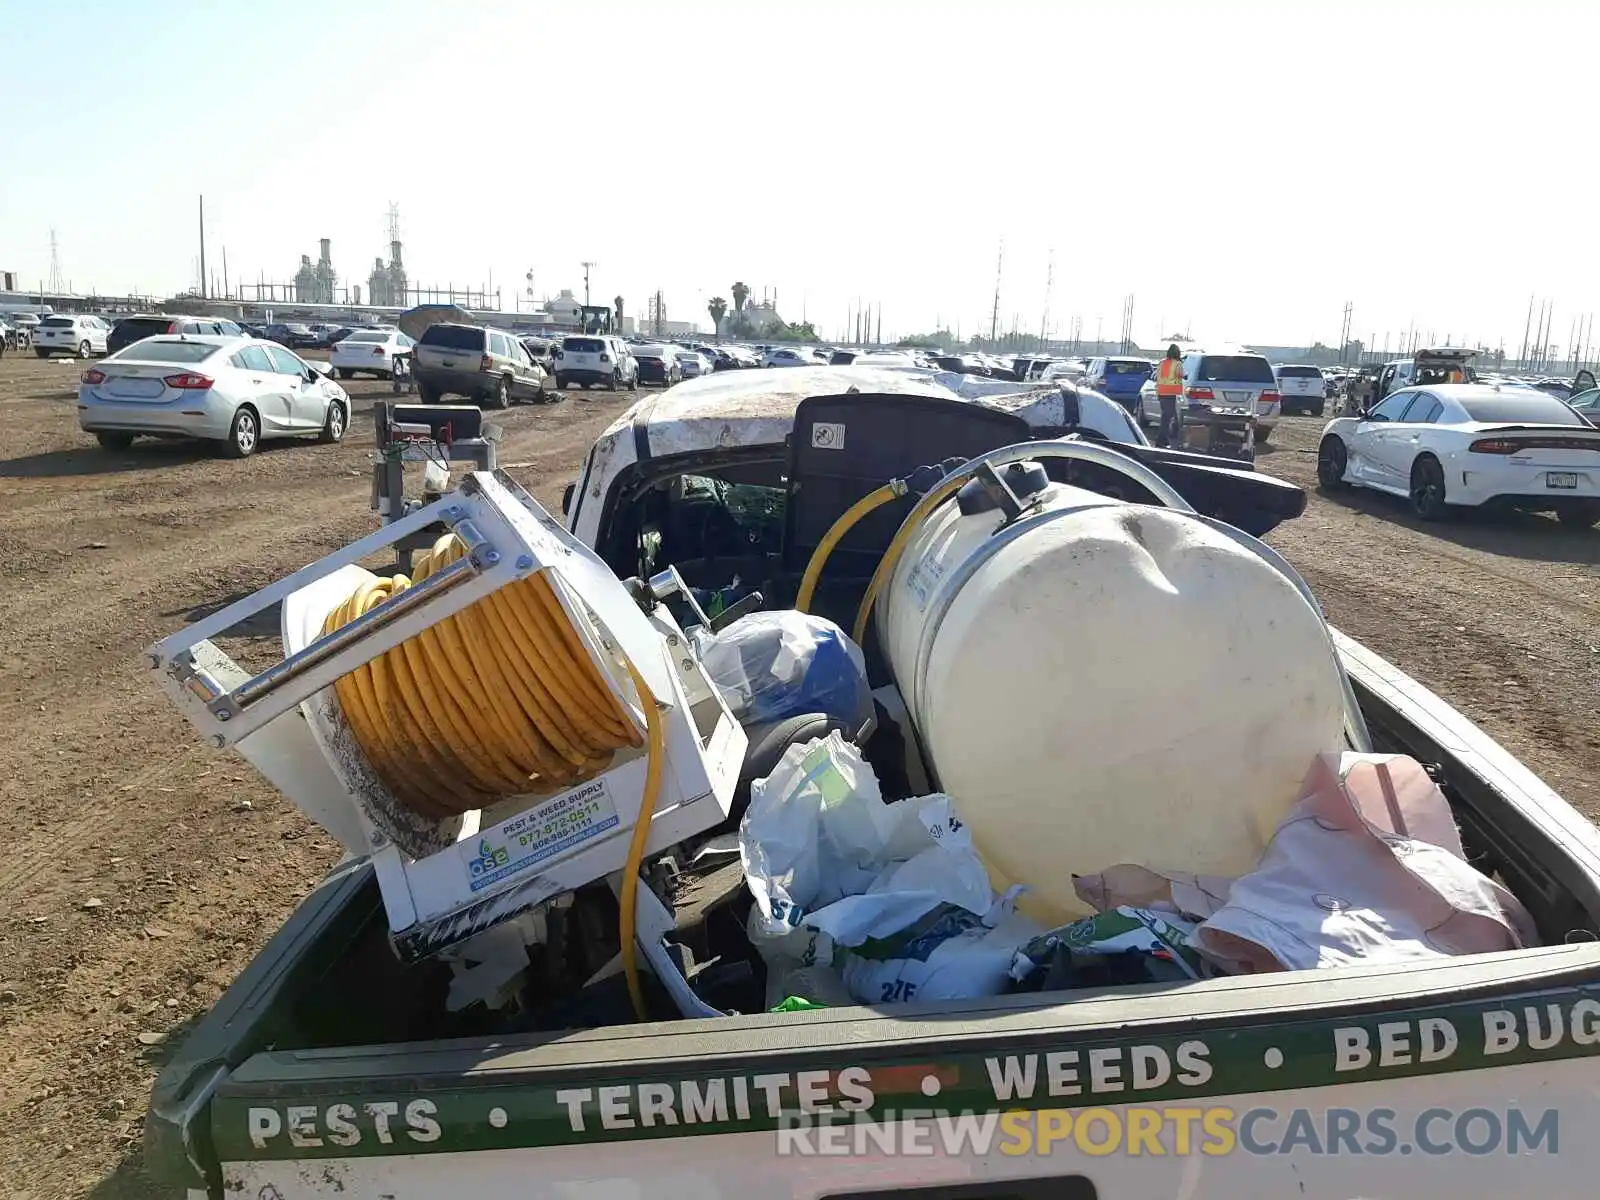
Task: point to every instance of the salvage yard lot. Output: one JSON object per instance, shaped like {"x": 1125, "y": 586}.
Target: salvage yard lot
{"x": 143, "y": 870}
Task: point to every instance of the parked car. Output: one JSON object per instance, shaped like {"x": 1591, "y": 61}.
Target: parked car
{"x": 658, "y": 364}
{"x": 542, "y": 351}
{"x": 1118, "y": 378}
{"x": 1304, "y": 389}
{"x": 70, "y": 333}
{"x": 1587, "y": 403}
{"x": 591, "y": 359}
{"x": 25, "y": 323}
{"x": 692, "y": 364}
{"x": 788, "y": 356}
{"x": 237, "y": 392}
{"x": 886, "y": 358}
{"x": 325, "y": 337}
{"x": 1444, "y": 446}
{"x": 1070, "y": 371}
{"x": 1559, "y": 388}
{"x": 485, "y": 365}
{"x": 1227, "y": 379}
{"x": 1432, "y": 364}
{"x": 369, "y": 352}
{"x": 129, "y": 330}
{"x": 292, "y": 335}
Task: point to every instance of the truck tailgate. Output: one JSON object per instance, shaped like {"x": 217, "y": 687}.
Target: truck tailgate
{"x": 728, "y": 1108}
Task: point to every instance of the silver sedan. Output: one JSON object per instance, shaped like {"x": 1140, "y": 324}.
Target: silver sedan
{"x": 236, "y": 391}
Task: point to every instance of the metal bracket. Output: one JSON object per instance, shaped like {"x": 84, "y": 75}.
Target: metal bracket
{"x": 505, "y": 541}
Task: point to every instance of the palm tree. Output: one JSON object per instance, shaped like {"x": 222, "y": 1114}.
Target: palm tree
{"x": 740, "y": 295}
{"x": 718, "y": 308}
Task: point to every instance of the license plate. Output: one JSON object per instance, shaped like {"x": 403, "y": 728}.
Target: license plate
{"x": 1561, "y": 479}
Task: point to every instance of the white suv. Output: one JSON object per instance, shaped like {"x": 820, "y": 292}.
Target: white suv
{"x": 593, "y": 358}
{"x": 1225, "y": 378}
{"x": 69, "y": 334}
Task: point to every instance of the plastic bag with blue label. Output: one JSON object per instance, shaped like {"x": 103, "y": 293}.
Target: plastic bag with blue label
{"x": 770, "y": 666}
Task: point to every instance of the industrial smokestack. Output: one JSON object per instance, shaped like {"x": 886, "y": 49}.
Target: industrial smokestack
{"x": 326, "y": 244}
{"x": 394, "y": 254}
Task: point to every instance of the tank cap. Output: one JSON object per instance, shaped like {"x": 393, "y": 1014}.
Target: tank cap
{"x": 1010, "y": 489}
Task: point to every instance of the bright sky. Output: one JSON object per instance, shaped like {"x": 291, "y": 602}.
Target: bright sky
{"x": 1243, "y": 168}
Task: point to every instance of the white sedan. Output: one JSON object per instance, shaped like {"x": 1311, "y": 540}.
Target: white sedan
{"x": 1467, "y": 444}
{"x": 236, "y": 391}
{"x": 369, "y": 352}
{"x": 693, "y": 364}
{"x": 785, "y": 357}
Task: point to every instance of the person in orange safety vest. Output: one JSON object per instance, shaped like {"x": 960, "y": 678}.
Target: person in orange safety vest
{"x": 1169, "y": 387}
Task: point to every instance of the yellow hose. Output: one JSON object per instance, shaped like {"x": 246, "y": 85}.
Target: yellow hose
{"x": 813, "y": 573}
{"x": 629, "y": 898}
{"x": 496, "y": 700}
{"x": 897, "y": 545}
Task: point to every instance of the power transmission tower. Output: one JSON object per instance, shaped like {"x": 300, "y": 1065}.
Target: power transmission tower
{"x": 586, "y": 268}
{"x": 994, "y": 314}
{"x": 55, "y": 264}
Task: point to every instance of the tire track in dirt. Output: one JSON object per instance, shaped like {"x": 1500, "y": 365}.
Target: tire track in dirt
{"x": 107, "y": 792}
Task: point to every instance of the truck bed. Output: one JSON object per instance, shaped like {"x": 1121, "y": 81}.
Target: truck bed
{"x": 327, "y": 1048}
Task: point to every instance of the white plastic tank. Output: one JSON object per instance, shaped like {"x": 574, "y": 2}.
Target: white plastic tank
{"x": 1105, "y": 683}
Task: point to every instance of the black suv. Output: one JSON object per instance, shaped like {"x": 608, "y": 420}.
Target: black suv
{"x": 135, "y": 329}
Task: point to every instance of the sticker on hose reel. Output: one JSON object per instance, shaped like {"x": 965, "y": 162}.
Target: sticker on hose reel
{"x": 555, "y": 825}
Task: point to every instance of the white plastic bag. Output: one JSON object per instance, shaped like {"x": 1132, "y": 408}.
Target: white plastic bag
{"x": 834, "y": 869}
{"x": 822, "y": 849}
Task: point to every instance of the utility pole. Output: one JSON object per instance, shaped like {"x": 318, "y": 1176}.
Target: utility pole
{"x": 1527, "y": 326}
{"x": 1344, "y": 329}
{"x": 1044, "y": 320}
{"x": 879, "y": 338}
{"x": 202, "y": 247}
{"x": 586, "y": 269}
{"x": 994, "y": 315}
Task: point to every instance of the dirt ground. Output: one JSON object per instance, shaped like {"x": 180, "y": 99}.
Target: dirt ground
{"x": 141, "y": 870}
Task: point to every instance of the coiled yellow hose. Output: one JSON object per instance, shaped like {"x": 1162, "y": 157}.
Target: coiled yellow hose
{"x": 499, "y": 699}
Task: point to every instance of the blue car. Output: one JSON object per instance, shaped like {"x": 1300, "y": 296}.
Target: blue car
{"x": 1119, "y": 378}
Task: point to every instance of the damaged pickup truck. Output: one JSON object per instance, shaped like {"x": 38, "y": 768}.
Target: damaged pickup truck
{"x": 1038, "y": 611}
